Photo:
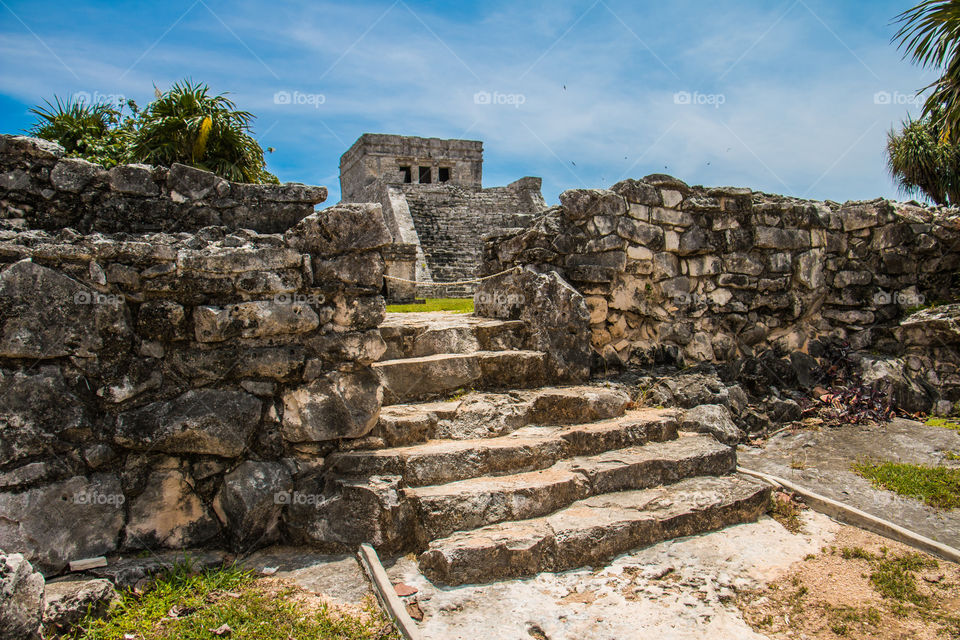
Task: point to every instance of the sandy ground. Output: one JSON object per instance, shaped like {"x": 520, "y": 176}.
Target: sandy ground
{"x": 830, "y": 596}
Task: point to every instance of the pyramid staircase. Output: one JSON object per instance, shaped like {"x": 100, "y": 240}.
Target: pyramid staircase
{"x": 522, "y": 477}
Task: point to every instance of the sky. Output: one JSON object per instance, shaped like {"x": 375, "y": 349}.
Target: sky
{"x": 793, "y": 97}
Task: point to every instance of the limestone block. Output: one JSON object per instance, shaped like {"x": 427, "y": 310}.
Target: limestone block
{"x": 338, "y": 405}
{"x": 168, "y": 514}
{"x": 92, "y": 508}
{"x": 253, "y": 320}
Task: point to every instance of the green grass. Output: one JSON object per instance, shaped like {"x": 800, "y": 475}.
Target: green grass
{"x": 456, "y": 305}
{"x": 185, "y": 605}
{"x": 946, "y": 423}
{"x": 939, "y": 487}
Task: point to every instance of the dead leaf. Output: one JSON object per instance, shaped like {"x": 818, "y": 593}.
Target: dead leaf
{"x": 414, "y": 610}
{"x": 222, "y": 630}
{"x": 404, "y": 589}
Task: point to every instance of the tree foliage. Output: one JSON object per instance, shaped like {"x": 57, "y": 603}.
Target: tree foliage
{"x": 923, "y": 162}
{"x": 929, "y": 34}
{"x": 185, "y": 124}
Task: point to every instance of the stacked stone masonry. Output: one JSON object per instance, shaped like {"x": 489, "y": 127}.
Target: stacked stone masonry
{"x": 166, "y": 389}
{"x": 691, "y": 274}
{"x": 41, "y": 189}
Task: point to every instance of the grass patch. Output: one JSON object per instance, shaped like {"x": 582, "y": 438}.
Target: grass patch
{"x": 896, "y": 578}
{"x": 845, "y": 619}
{"x": 946, "y": 423}
{"x": 187, "y": 605}
{"x": 455, "y": 305}
{"x": 939, "y": 487}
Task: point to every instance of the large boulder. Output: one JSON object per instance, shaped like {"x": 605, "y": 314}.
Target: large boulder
{"x": 936, "y": 326}
{"x": 207, "y": 421}
{"x": 342, "y": 228}
{"x": 556, "y": 314}
{"x": 337, "y": 405}
{"x": 21, "y": 598}
{"x": 890, "y": 376}
{"x": 714, "y": 419}
{"x": 250, "y": 501}
{"x": 70, "y": 601}
{"x": 56, "y": 523}
{"x": 44, "y": 314}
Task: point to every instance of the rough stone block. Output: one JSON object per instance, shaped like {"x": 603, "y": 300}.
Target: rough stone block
{"x": 253, "y": 320}
{"x": 204, "y": 421}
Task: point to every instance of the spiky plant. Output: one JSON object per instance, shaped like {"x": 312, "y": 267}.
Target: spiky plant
{"x": 187, "y": 124}
{"x": 929, "y": 34}
{"x": 96, "y": 132}
{"x": 923, "y": 162}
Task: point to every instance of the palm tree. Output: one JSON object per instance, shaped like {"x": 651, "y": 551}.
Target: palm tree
{"x": 188, "y": 125}
{"x": 924, "y": 163}
{"x": 930, "y": 34}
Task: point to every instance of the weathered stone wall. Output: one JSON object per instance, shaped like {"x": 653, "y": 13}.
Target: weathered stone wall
{"x": 166, "y": 390}
{"x": 40, "y": 189}
{"x": 674, "y": 273}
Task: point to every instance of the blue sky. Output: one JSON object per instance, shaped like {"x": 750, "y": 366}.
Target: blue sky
{"x": 791, "y": 96}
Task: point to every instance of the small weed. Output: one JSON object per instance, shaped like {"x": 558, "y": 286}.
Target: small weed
{"x": 784, "y": 511}
{"x": 797, "y": 463}
{"x": 459, "y": 394}
{"x": 848, "y": 553}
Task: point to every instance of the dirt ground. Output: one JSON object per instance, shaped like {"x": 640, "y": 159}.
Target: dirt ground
{"x": 853, "y": 588}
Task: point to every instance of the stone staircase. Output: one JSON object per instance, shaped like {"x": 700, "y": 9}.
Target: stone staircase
{"x": 522, "y": 478}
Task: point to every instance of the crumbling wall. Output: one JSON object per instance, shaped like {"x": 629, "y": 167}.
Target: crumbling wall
{"x": 678, "y": 273}
{"x": 40, "y": 189}
{"x": 166, "y": 390}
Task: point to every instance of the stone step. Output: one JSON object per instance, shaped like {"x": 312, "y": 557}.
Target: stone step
{"x": 477, "y": 502}
{"x": 487, "y": 415}
{"x": 407, "y": 379}
{"x": 594, "y": 530}
{"x": 526, "y": 449}
{"x": 415, "y": 335}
